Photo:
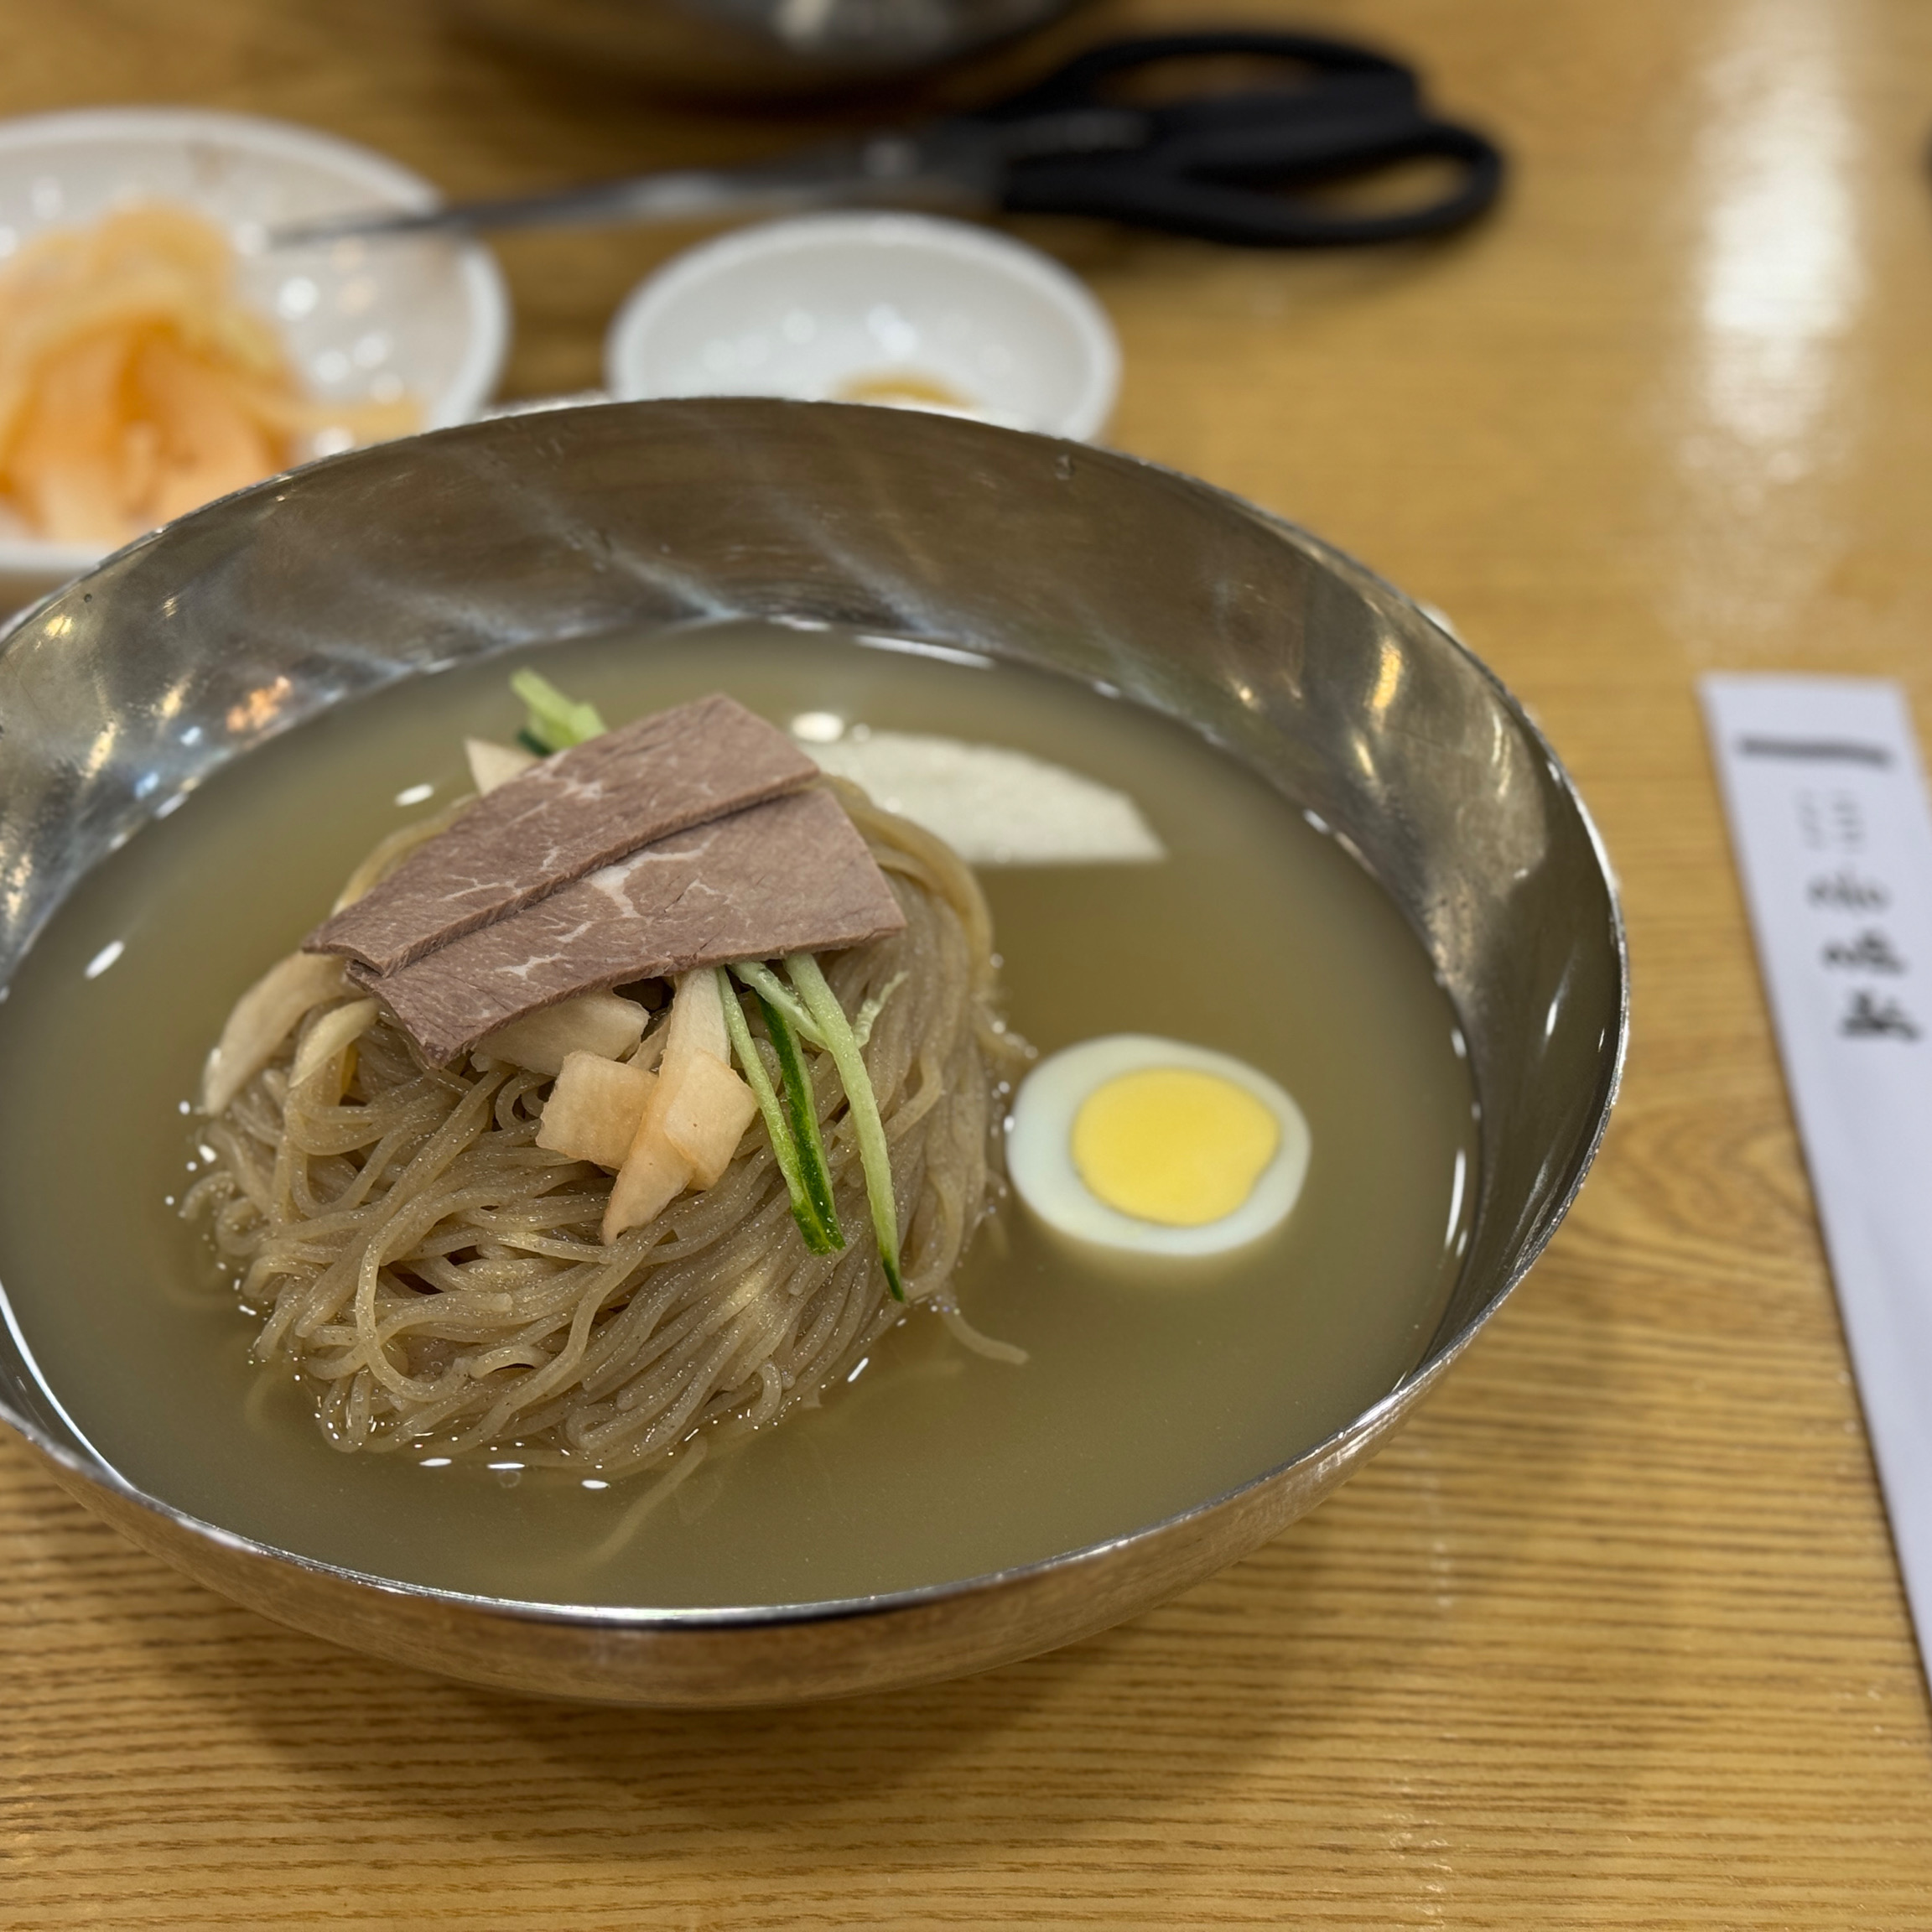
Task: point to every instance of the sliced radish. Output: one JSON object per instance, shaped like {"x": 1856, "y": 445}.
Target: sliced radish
{"x": 601, "y": 1023}
{"x": 707, "y": 1117}
{"x": 655, "y": 1172}
{"x": 492, "y": 764}
{"x": 328, "y": 1039}
{"x": 595, "y": 1108}
{"x": 262, "y": 1019}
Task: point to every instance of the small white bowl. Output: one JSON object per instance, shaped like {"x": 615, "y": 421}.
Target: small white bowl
{"x": 425, "y": 317}
{"x": 866, "y": 308}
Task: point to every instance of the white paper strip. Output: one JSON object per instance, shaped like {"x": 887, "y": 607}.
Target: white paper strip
{"x": 1830, "y": 823}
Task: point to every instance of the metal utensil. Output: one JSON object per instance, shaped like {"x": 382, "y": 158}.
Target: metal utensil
{"x": 1236, "y": 165}
{"x": 397, "y": 561}
{"x": 747, "y": 50}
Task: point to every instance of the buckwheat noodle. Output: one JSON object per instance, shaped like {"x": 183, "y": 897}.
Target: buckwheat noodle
{"x": 437, "y": 1278}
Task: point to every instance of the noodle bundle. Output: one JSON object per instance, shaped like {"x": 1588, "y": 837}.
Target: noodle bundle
{"x": 437, "y": 1278}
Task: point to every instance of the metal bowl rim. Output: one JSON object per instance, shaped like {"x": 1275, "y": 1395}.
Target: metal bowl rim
{"x": 670, "y": 1619}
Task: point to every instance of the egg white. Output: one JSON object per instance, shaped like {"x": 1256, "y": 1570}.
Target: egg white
{"x": 1039, "y": 1149}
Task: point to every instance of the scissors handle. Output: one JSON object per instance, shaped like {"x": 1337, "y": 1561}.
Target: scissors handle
{"x": 1226, "y": 166}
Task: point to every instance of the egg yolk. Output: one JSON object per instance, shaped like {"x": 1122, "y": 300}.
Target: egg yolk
{"x": 1171, "y": 1144}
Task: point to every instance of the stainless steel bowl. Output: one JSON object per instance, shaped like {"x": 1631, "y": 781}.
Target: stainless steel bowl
{"x": 394, "y": 562}
{"x": 750, "y": 49}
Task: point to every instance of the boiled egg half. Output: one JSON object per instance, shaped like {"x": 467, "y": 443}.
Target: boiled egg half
{"x": 1155, "y": 1147}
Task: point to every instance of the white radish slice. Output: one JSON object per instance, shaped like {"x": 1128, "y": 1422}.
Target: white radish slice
{"x": 492, "y": 764}
{"x": 696, "y": 1026}
{"x": 653, "y": 1175}
{"x": 707, "y": 1117}
{"x": 654, "y": 1172}
{"x": 263, "y": 1018}
{"x": 593, "y": 1109}
{"x": 601, "y": 1023}
{"x": 328, "y": 1037}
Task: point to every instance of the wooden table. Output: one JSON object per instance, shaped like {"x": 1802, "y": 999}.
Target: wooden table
{"x": 1612, "y": 1636}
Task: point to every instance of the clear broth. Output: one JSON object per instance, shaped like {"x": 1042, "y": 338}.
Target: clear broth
{"x": 1257, "y": 935}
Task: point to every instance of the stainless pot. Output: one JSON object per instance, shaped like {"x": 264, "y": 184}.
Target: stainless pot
{"x": 751, "y": 49}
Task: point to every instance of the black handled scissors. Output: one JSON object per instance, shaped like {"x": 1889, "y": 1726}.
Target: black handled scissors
{"x": 1236, "y": 165}
{"x": 1228, "y": 166}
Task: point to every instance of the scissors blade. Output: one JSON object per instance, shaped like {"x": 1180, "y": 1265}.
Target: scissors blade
{"x": 924, "y": 168}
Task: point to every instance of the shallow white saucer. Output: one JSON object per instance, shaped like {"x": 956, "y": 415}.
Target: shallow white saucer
{"x": 868, "y": 307}
{"x": 426, "y": 317}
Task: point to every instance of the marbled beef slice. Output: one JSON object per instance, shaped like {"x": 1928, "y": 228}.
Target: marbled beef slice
{"x": 792, "y": 875}
{"x": 565, "y": 818}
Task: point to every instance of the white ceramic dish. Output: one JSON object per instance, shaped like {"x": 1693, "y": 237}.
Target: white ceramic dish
{"x": 871, "y": 307}
{"x": 428, "y": 318}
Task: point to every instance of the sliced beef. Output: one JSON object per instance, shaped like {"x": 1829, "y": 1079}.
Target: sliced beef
{"x": 563, "y": 818}
{"x": 791, "y": 875}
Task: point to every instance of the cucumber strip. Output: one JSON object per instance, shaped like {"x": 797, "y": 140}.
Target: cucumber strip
{"x": 774, "y": 992}
{"x": 800, "y": 1107}
{"x": 556, "y": 721}
{"x": 824, "y": 1006}
{"x": 784, "y": 1148}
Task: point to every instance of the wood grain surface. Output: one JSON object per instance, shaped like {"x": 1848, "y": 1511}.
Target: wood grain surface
{"x": 1612, "y": 1636}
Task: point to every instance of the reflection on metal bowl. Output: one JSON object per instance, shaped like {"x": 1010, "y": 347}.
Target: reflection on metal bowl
{"x": 745, "y": 48}
{"x": 1334, "y": 688}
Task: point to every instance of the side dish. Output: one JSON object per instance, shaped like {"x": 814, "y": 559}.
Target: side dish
{"x": 136, "y": 384}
